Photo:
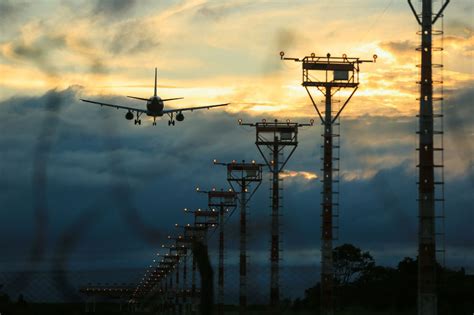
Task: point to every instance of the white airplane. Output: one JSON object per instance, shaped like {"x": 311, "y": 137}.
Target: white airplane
{"x": 155, "y": 108}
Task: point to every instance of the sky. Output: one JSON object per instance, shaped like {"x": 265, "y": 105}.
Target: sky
{"x": 82, "y": 188}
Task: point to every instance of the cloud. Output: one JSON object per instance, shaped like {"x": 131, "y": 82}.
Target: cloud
{"x": 308, "y": 176}
{"x": 110, "y": 8}
{"x": 133, "y": 37}
{"x": 37, "y": 52}
{"x": 10, "y": 9}
{"x": 105, "y": 175}
{"x": 139, "y": 178}
{"x": 404, "y": 51}
{"x": 42, "y": 46}
{"x": 118, "y": 52}
{"x": 215, "y": 11}
{"x": 459, "y": 27}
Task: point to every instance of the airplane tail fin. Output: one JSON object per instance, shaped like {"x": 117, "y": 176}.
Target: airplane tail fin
{"x": 155, "y": 82}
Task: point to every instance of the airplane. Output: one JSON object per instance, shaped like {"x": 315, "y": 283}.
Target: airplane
{"x": 155, "y": 108}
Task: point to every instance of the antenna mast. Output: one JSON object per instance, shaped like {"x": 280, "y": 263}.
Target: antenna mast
{"x": 427, "y": 291}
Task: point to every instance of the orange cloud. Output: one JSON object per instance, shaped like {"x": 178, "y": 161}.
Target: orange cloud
{"x": 308, "y": 176}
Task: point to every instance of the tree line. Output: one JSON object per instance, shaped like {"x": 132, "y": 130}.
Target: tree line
{"x": 363, "y": 285}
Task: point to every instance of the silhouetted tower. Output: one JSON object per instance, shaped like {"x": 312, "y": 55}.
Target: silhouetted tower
{"x": 329, "y": 75}
{"x": 174, "y": 257}
{"x": 243, "y": 174}
{"x": 150, "y": 282}
{"x": 122, "y": 292}
{"x": 203, "y": 220}
{"x": 197, "y": 232}
{"x": 430, "y": 126}
{"x": 181, "y": 247}
{"x": 185, "y": 243}
{"x": 271, "y": 140}
{"x": 172, "y": 260}
{"x": 222, "y": 200}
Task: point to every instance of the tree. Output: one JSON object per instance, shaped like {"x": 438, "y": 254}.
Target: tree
{"x": 350, "y": 263}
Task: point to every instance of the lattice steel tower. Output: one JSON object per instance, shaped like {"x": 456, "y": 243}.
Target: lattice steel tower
{"x": 430, "y": 140}
{"x": 335, "y": 73}
{"x": 197, "y": 232}
{"x": 273, "y": 137}
{"x": 243, "y": 175}
{"x": 223, "y": 200}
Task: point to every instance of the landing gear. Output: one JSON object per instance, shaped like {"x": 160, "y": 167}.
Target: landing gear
{"x": 138, "y": 121}
{"x": 154, "y": 121}
{"x": 171, "y": 121}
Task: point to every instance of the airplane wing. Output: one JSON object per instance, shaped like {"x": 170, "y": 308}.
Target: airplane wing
{"x": 174, "y": 110}
{"x": 116, "y": 106}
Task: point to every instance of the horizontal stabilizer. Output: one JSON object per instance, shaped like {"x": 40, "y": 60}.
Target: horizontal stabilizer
{"x": 172, "y": 99}
{"x": 138, "y": 98}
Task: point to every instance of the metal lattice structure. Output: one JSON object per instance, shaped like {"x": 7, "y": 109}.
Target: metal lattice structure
{"x": 271, "y": 140}
{"x": 223, "y": 200}
{"x": 120, "y": 292}
{"x": 243, "y": 175}
{"x": 329, "y": 75}
{"x": 430, "y": 141}
{"x": 203, "y": 220}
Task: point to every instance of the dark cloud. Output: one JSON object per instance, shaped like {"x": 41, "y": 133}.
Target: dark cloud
{"x": 110, "y": 8}
{"x": 215, "y": 11}
{"x": 459, "y": 129}
{"x": 9, "y": 10}
{"x": 400, "y": 48}
{"x": 133, "y": 37}
{"x": 106, "y": 175}
{"x": 43, "y": 50}
{"x": 460, "y": 28}
{"x": 40, "y": 51}
{"x": 284, "y": 39}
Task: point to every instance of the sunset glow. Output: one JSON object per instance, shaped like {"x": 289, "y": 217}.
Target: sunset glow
{"x": 233, "y": 62}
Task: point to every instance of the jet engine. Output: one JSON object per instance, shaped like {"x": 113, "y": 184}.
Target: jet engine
{"x": 129, "y": 116}
{"x": 180, "y": 117}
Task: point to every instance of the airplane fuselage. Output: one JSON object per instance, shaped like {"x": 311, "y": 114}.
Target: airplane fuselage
{"x": 154, "y": 106}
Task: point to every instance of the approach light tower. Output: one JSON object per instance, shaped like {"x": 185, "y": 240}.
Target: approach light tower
{"x": 329, "y": 75}
{"x": 180, "y": 246}
{"x": 243, "y": 174}
{"x": 427, "y": 178}
{"x": 176, "y": 257}
{"x": 223, "y": 201}
{"x": 271, "y": 140}
{"x": 203, "y": 219}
